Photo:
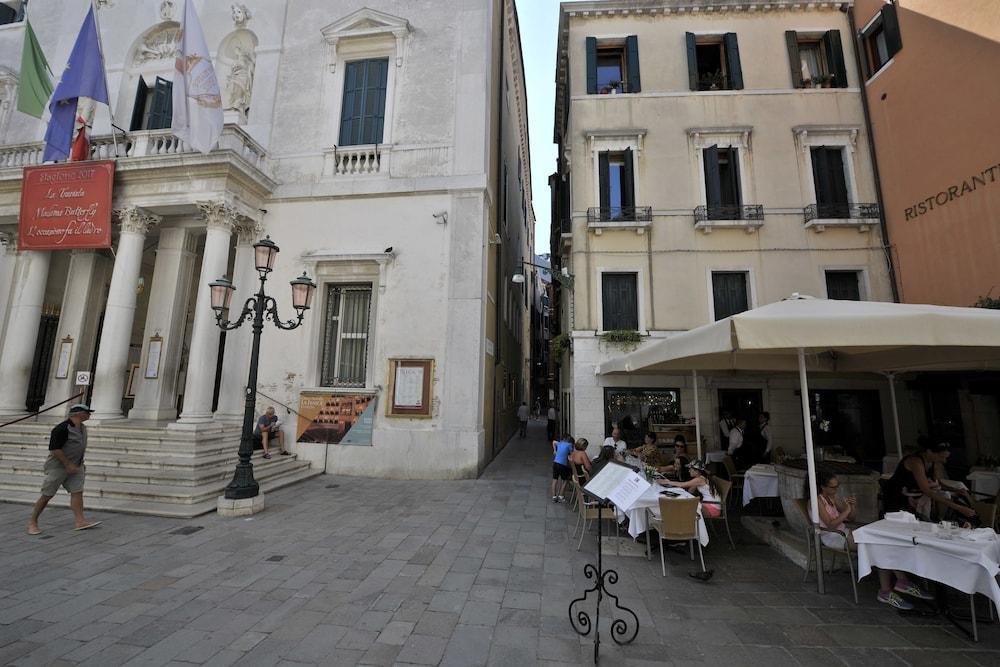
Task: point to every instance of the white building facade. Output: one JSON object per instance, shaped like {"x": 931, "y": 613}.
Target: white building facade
{"x": 365, "y": 140}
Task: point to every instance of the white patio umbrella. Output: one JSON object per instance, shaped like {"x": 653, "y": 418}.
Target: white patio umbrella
{"x": 820, "y": 335}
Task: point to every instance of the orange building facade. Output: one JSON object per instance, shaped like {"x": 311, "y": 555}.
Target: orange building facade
{"x": 934, "y": 103}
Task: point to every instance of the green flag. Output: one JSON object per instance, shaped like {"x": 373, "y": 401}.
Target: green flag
{"x": 35, "y": 88}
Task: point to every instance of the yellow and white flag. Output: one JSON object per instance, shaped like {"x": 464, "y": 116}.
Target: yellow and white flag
{"x": 197, "y": 99}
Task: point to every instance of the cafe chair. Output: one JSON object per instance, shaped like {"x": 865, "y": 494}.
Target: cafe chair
{"x": 988, "y": 510}
{"x": 678, "y": 523}
{"x": 803, "y": 506}
{"x": 590, "y": 510}
{"x": 736, "y": 478}
{"x": 576, "y": 498}
{"x": 724, "y": 489}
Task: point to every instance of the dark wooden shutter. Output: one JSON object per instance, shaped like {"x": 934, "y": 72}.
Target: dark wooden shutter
{"x": 373, "y": 114}
{"x": 794, "y": 60}
{"x": 632, "y": 62}
{"x": 733, "y": 61}
{"x": 139, "y": 108}
{"x": 890, "y": 24}
{"x": 843, "y": 285}
{"x": 161, "y": 111}
{"x": 7, "y": 14}
{"x": 628, "y": 186}
{"x": 729, "y": 293}
{"x": 591, "y": 65}
{"x": 692, "y": 52}
{"x": 734, "y": 182}
{"x": 603, "y": 176}
{"x": 619, "y": 302}
{"x": 835, "y": 58}
{"x": 350, "y": 114}
{"x": 713, "y": 185}
{"x": 830, "y": 181}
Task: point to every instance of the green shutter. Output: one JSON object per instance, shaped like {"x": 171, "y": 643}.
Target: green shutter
{"x": 634, "y": 84}
{"x": 713, "y": 185}
{"x": 619, "y": 302}
{"x": 591, "y": 65}
{"x": 139, "y": 108}
{"x": 890, "y": 24}
{"x": 794, "y": 60}
{"x": 692, "y": 54}
{"x": 628, "y": 187}
{"x": 350, "y": 115}
{"x": 733, "y": 61}
{"x": 362, "y": 116}
{"x": 161, "y": 111}
{"x": 604, "y": 181}
{"x": 373, "y": 119}
{"x": 835, "y": 58}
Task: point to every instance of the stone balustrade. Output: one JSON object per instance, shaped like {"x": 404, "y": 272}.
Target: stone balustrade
{"x": 357, "y": 160}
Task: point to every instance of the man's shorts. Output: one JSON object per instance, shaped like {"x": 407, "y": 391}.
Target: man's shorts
{"x": 56, "y": 476}
{"x": 559, "y": 471}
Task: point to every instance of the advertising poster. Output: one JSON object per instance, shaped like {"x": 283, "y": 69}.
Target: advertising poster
{"x": 66, "y": 206}
{"x": 336, "y": 418}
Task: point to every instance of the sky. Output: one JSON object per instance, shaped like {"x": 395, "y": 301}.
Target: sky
{"x": 538, "y": 20}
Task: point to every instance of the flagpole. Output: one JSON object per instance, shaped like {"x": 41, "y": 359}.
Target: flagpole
{"x": 104, "y": 70}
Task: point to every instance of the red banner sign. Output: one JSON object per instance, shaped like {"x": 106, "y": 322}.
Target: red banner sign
{"x": 66, "y": 206}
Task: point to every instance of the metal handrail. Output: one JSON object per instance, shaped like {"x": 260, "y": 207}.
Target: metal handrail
{"x": 620, "y": 214}
{"x": 729, "y": 212}
{"x": 35, "y": 414}
{"x": 290, "y": 409}
{"x": 841, "y": 211}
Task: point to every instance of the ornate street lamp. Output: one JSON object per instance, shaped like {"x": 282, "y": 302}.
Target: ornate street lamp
{"x": 257, "y": 308}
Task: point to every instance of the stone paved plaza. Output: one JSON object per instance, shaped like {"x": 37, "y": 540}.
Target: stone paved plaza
{"x": 342, "y": 571}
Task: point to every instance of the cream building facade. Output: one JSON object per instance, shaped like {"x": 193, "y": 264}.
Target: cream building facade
{"x": 713, "y": 158}
{"x": 370, "y": 142}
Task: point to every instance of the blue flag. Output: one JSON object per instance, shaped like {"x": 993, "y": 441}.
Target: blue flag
{"x": 83, "y": 77}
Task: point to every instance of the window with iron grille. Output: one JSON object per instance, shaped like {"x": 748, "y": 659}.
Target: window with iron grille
{"x": 345, "y": 337}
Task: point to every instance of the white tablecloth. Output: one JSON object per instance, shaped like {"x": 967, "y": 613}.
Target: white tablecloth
{"x": 717, "y": 456}
{"x": 650, "y": 500}
{"x": 984, "y": 481}
{"x": 967, "y": 565}
{"x": 760, "y": 481}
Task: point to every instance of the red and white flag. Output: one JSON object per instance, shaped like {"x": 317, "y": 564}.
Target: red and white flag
{"x": 197, "y": 98}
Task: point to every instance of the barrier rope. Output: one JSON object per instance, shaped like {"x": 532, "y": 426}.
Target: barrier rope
{"x": 35, "y": 414}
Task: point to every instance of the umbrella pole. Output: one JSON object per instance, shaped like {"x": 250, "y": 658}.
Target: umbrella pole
{"x": 895, "y": 413}
{"x": 811, "y": 468}
{"x": 697, "y": 417}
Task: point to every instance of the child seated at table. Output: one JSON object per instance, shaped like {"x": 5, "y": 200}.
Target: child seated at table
{"x": 834, "y": 512}
{"x": 702, "y": 484}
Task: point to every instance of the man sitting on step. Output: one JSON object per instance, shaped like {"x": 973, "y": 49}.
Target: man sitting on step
{"x": 268, "y": 427}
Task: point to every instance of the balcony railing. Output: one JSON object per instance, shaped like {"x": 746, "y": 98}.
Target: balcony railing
{"x": 365, "y": 159}
{"x": 620, "y": 214}
{"x": 844, "y": 211}
{"x": 143, "y": 144}
{"x": 726, "y": 212}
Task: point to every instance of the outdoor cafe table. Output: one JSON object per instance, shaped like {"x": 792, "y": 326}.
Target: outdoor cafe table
{"x": 965, "y": 560}
{"x": 760, "y": 481}
{"x": 650, "y": 501}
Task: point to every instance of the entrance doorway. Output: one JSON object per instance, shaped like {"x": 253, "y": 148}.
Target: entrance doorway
{"x": 742, "y": 404}
{"x": 48, "y": 326}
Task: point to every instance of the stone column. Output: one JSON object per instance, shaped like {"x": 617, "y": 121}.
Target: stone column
{"x": 236, "y": 364}
{"x": 8, "y": 258}
{"x": 116, "y": 334}
{"x": 220, "y": 218}
{"x": 156, "y": 398}
{"x": 31, "y": 272}
{"x": 78, "y": 320}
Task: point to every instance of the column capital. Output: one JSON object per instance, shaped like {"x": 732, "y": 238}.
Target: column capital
{"x": 219, "y": 215}
{"x": 248, "y": 231}
{"x": 136, "y": 220}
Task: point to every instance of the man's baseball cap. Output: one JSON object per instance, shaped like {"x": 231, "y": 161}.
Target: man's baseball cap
{"x": 78, "y": 408}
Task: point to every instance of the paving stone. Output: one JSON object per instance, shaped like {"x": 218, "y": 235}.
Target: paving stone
{"x": 423, "y": 650}
{"x": 437, "y": 624}
{"x": 480, "y": 613}
{"x": 395, "y": 632}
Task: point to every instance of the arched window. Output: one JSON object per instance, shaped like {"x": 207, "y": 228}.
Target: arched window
{"x": 146, "y": 91}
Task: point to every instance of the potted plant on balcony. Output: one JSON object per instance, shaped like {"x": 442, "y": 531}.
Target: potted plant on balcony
{"x": 626, "y": 339}
{"x": 825, "y": 80}
{"x": 712, "y": 81}
{"x": 615, "y": 86}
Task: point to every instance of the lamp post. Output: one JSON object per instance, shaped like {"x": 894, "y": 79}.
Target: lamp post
{"x": 257, "y": 308}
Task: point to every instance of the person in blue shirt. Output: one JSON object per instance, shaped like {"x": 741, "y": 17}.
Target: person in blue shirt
{"x": 560, "y": 466}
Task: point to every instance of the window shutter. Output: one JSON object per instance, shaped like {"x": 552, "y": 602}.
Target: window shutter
{"x": 692, "y": 52}
{"x": 890, "y": 24}
{"x": 591, "y": 65}
{"x": 729, "y": 293}
{"x": 139, "y": 108}
{"x": 604, "y": 177}
{"x": 794, "y": 60}
{"x": 632, "y": 60}
{"x": 821, "y": 177}
{"x": 162, "y": 110}
{"x": 713, "y": 185}
{"x": 619, "y": 302}
{"x": 835, "y": 58}
{"x": 843, "y": 285}
{"x": 733, "y": 61}
{"x": 373, "y": 115}
{"x": 628, "y": 183}
{"x": 350, "y": 115}
{"x": 7, "y": 14}
{"x": 734, "y": 175}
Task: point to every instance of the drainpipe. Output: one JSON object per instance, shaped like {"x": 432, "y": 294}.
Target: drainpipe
{"x": 887, "y": 247}
{"x": 498, "y": 271}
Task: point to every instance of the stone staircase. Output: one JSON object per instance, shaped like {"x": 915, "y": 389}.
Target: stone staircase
{"x": 142, "y": 468}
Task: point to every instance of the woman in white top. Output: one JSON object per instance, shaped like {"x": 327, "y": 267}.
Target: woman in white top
{"x": 703, "y": 484}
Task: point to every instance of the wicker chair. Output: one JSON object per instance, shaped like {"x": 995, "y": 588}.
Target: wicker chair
{"x": 678, "y": 522}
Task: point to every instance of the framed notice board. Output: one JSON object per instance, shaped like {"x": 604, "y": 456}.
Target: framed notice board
{"x": 410, "y": 382}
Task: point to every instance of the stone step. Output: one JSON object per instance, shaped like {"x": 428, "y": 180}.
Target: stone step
{"x": 28, "y": 456}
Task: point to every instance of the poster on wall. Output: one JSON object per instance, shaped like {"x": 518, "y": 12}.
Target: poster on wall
{"x": 410, "y": 382}
{"x": 345, "y": 419}
{"x": 66, "y": 206}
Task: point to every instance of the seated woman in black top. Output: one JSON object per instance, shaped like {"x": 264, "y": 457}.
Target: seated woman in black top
{"x": 917, "y": 484}
{"x": 678, "y": 469}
